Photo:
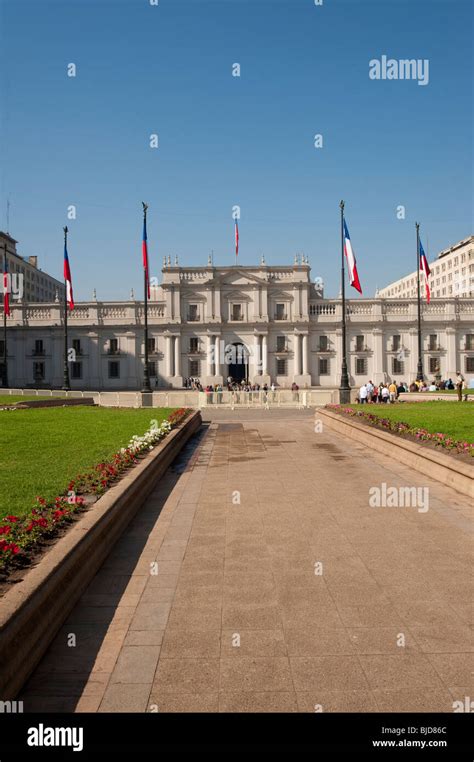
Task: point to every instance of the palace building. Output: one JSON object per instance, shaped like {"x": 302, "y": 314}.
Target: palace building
{"x": 264, "y": 323}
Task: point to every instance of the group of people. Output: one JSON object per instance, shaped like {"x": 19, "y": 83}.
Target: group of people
{"x": 193, "y": 383}
{"x": 384, "y": 392}
{"x": 231, "y": 386}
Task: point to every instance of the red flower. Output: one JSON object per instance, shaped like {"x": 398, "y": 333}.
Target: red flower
{"x": 5, "y": 529}
{"x": 13, "y": 519}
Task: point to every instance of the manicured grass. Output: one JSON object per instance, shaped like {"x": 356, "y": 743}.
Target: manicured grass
{"x": 42, "y": 449}
{"x": 456, "y": 419}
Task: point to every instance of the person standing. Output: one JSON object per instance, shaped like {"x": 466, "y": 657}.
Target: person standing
{"x": 393, "y": 391}
{"x": 370, "y": 391}
{"x": 363, "y": 394}
{"x": 459, "y": 385}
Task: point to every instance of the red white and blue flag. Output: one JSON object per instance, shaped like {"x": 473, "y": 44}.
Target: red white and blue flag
{"x": 425, "y": 269}
{"x": 6, "y": 291}
{"x": 145, "y": 258}
{"x": 236, "y": 237}
{"x": 68, "y": 279}
{"x": 351, "y": 261}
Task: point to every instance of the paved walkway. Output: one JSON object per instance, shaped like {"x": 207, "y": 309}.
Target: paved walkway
{"x": 278, "y": 588}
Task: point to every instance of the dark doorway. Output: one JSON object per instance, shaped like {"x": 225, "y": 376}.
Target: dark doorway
{"x": 237, "y": 361}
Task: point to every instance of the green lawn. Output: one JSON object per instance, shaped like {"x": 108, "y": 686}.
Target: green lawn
{"x": 453, "y": 418}
{"x": 41, "y": 450}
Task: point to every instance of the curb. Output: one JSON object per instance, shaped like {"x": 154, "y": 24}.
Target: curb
{"x": 436, "y": 465}
{"x": 32, "y": 611}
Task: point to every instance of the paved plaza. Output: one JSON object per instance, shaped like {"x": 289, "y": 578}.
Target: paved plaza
{"x": 257, "y": 577}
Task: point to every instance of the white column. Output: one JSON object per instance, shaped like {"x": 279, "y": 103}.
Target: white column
{"x": 177, "y": 355}
{"x": 305, "y": 354}
{"x": 452, "y": 364}
{"x": 208, "y": 355}
{"x": 264, "y": 303}
{"x": 217, "y": 358}
{"x": 264, "y": 355}
{"x": 297, "y": 364}
{"x": 208, "y": 305}
{"x": 304, "y": 305}
{"x": 257, "y": 363}
{"x": 169, "y": 303}
{"x": 413, "y": 369}
{"x": 217, "y": 303}
{"x": 379, "y": 364}
{"x": 169, "y": 357}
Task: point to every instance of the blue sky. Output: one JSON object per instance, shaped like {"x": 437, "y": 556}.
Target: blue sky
{"x": 227, "y": 140}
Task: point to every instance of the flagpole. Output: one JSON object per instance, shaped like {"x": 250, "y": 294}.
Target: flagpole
{"x": 146, "y": 376}
{"x": 5, "y": 354}
{"x": 344, "y": 389}
{"x": 419, "y": 372}
{"x": 66, "y": 385}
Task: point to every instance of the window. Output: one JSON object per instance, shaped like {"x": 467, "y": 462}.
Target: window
{"x": 470, "y": 364}
{"x": 395, "y": 343}
{"x": 323, "y": 366}
{"x": 469, "y": 342}
{"x": 193, "y": 313}
{"x": 113, "y": 348}
{"x": 280, "y": 312}
{"x": 152, "y": 369}
{"x": 76, "y": 345}
{"x": 397, "y": 366}
{"x": 282, "y": 367}
{"x": 433, "y": 342}
{"x": 76, "y": 370}
{"x": 281, "y": 343}
{"x": 114, "y": 369}
{"x": 361, "y": 366}
{"x": 38, "y": 371}
{"x": 323, "y": 344}
{"x": 434, "y": 365}
{"x": 359, "y": 343}
{"x": 2, "y": 348}
{"x": 151, "y": 345}
{"x": 194, "y": 344}
{"x": 39, "y": 348}
{"x": 236, "y": 312}
{"x": 194, "y": 369}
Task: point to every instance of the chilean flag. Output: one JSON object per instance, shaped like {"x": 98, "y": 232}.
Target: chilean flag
{"x": 351, "y": 261}
{"x": 236, "y": 238}
{"x": 68, "y": 279}
{"x": 6, "y": 295}
{"x": 145, "y": 258}
{"x": 425, "y": 268}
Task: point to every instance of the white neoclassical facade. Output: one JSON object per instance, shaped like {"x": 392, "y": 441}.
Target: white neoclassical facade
{"x": 269, "y": 324}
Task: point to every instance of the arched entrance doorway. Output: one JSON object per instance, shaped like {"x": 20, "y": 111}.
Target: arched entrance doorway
{"x": 237, "y": 360}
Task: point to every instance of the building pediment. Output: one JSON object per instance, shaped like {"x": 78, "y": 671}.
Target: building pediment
{"x": 237, "y": 296}
{"x": 280, "y": 295}
{"x": 233, "y": 277}
{"x": 190, "y": 295}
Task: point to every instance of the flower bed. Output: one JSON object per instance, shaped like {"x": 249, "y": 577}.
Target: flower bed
{"x": 438, "y": 439}
{"x": 21, "y": 536}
